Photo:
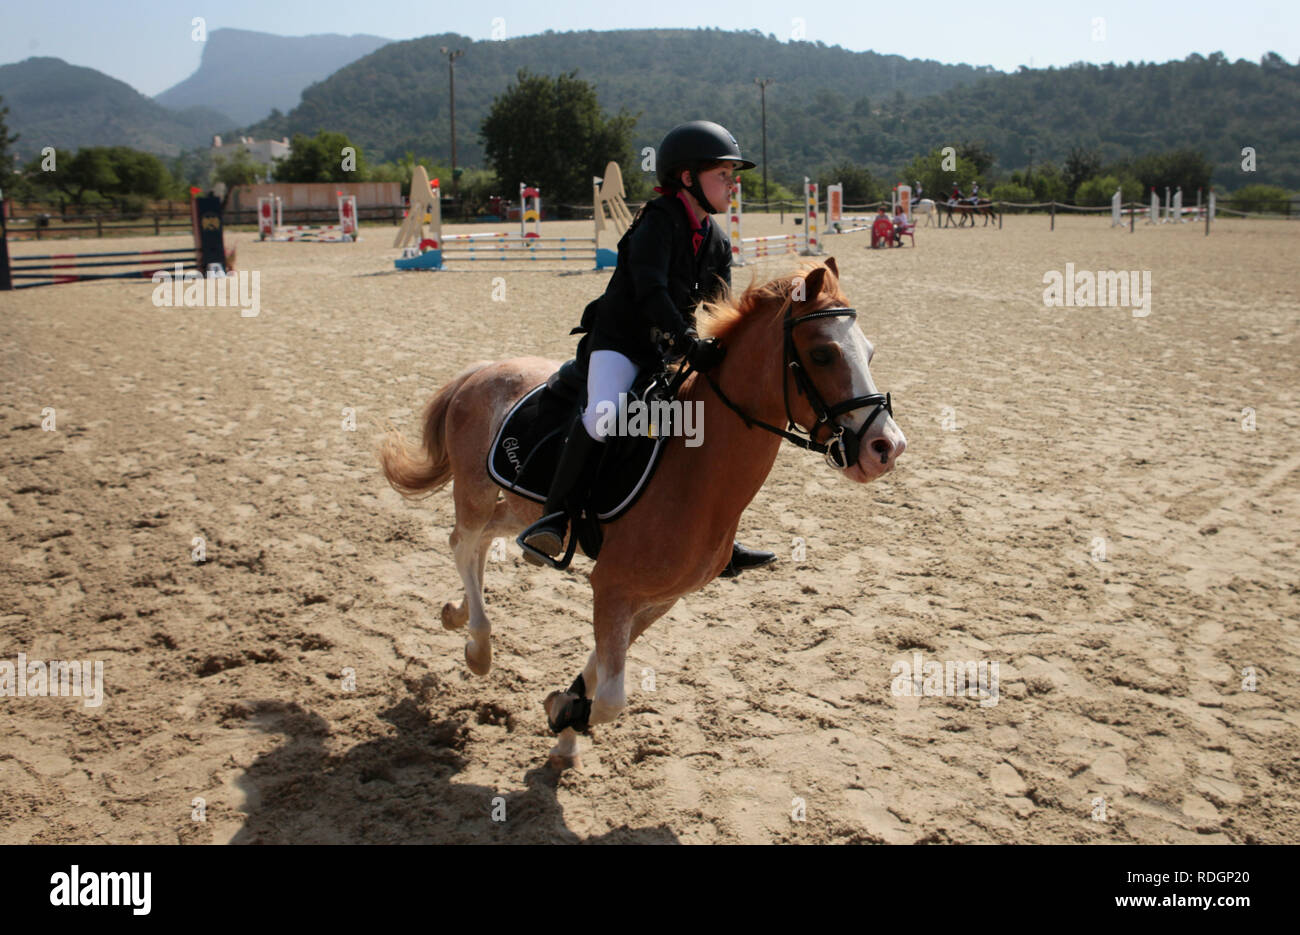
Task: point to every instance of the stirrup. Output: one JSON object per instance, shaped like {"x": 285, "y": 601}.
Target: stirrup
{"x": 541, "y": 557}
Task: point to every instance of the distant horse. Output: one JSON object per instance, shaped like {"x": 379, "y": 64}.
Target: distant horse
{"x": 985, "y": 209}
{"x": 925, "y": 206}
{"x": 966, "y": 211}
{"x": 791, "y": 345}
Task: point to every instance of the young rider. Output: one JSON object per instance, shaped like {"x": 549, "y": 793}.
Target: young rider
{"x": 672, "y": 257}
{"x": 900, "y": 223}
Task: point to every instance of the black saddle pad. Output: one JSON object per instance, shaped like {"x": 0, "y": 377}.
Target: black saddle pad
{"x": 526, "y": 450}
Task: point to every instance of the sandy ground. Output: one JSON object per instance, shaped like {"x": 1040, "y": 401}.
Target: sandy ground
{"x": 1033, "y": 432}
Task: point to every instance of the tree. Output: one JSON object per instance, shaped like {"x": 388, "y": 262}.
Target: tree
{"x": 860, "y": 186}
{"x": 1012, "y": 191}
{"x": 1183, "y": 168}
{"x": 322, "y": 158}
{"x": 1261, "y": 199}
{"x": 752, "y": 191}
{"x": 6, "y": 159}
{"x": 1049, "y": 183}
{"x": 237, "y": 168}
{"x": 1081, "y": 165}
{"x": 978, "y": 155}
{"x": 938, "y": 182}
{"x": 1100, "y": 189}
{"x": 100, "y": 173}
{"x": 550, "y": 132}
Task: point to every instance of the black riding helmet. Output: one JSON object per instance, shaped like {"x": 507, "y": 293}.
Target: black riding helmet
{"x": 690, "y": 146}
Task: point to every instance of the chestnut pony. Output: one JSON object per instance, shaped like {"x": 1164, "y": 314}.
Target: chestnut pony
{"x": 795, "y": 354}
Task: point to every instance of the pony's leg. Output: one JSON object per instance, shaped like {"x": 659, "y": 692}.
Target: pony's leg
{"x": 504, "y": 520}
{"x": 613, "y": 620}
{"x": 648, "y": 615}
{"x": 617, "y": 625}
{"x": 566, "y": 749}
{"x": 455, "y": 616}
{"x": 479, "y": 515}
{"x": 470, "y": 547}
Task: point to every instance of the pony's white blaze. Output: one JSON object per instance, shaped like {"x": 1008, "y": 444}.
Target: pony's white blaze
{"x": 884, "y": 436}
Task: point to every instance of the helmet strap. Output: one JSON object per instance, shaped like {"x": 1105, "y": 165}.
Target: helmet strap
{"x": 695, "y": 189}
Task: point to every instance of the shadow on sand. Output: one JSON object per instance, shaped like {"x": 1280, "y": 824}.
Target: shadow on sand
{"x": 398, "y": 789}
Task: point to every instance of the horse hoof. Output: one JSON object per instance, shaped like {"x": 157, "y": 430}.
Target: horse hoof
{"x": 560, "y": 761}
{"x": 478, "y": 660}
{"x": 565, "y": 754}
{"x": 451, "y": 620}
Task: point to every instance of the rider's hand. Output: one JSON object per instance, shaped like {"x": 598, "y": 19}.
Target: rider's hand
{"x": 702, "y": 355}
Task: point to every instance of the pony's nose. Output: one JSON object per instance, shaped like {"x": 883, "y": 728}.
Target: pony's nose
{"x": 885, "y": 449}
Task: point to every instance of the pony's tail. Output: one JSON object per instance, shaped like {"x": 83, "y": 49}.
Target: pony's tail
{"x": 415, "y": 474}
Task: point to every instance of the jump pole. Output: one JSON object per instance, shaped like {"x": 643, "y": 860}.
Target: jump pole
{"x": 432, "y": 250}
{"x": 754, "y": 248}
{"x": 55, "y": 269}
{"x": 270, "y": 223}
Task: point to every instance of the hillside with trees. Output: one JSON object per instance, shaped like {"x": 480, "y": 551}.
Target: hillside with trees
{"x": 825, "y": 105}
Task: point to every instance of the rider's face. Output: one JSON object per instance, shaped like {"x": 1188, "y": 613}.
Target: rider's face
{"x": 717, "y": 183}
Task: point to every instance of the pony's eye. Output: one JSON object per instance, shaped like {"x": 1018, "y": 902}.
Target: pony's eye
{"x": 821, "y": 356}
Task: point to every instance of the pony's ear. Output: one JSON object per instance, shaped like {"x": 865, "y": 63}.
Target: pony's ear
{"x": 830, "y": 265}
{"x": 813, "y": 283}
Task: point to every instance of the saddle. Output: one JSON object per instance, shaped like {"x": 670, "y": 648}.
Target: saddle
{"x": 526, "y": 449}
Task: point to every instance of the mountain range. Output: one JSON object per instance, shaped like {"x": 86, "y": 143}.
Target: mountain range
{"x": 824, "y": 105}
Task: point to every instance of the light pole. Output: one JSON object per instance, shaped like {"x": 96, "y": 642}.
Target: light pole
{"x": 451, "y": 70}
{"x": 762, "y": 90}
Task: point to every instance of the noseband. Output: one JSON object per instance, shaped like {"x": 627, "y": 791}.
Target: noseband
{"x": 842, "y": 447}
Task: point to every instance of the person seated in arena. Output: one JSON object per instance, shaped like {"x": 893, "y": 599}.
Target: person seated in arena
{"x": 901, "y": 224}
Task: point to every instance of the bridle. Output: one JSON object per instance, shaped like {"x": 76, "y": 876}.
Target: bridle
{"x": 842, "y": 447}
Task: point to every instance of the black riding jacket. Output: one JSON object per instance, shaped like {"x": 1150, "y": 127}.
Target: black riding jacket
{"x": 657, "y": 283}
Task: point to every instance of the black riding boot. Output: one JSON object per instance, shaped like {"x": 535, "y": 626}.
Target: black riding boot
{"x": 742, "y": 558}
{"x": 578, "y": 461}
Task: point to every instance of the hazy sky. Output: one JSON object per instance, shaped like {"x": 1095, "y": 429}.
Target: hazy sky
{"x": 147, "y": 43}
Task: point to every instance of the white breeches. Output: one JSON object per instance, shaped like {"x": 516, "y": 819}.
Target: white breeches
{"x": 609, "y": 373}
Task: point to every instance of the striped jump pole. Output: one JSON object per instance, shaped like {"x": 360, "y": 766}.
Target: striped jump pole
{"x": 433, "y": 249}
{"x": 270, "y": 223}
{"x": 54, "y": 269}
{"x": 753, "y": 248}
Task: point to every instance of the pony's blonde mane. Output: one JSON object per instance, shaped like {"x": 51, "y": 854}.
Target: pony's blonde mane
{"x": 724, "y": 317}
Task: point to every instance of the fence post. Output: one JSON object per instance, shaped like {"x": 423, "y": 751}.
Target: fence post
{"x": 5, "y": 282}
{"x": 1132, "y": 217}
{"x": 1053, "y": 215}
